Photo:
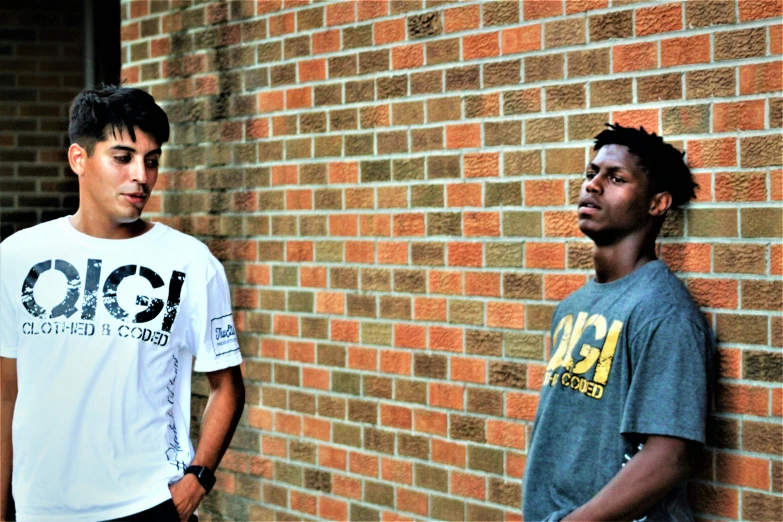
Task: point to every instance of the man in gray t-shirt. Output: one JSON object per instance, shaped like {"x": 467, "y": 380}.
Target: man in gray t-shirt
{"x": 625, "y": 394}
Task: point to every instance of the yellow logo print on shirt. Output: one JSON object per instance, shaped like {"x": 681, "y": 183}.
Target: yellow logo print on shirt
{"x": 567, "y": 335}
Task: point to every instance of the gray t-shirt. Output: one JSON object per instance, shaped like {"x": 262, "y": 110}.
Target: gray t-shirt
{"x": 630, "y": 358}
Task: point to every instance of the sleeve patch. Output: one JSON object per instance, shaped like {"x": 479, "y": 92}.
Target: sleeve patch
{"x": 224, "y": 335}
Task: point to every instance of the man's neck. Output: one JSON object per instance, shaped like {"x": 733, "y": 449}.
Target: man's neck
{"x": 108, "y": 230}
{"x": 617, "y": 260}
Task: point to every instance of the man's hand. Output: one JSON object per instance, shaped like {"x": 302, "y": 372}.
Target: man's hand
{"x": 187, "y": 494}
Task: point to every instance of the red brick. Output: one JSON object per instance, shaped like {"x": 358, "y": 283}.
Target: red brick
{"x": 408, "y": 224}
{"x": 343, "y": 172}
{"x": 740, "y": 186}
{"x": 542, "y": 192}
{"x": 481, "y": 165}
{"x": 686, "y": 50}
{"x": 341, "y": 13}
{"x": 413, "y": 502}
{"x": 410, "y": 336}
{"x": 480, "y": 46}
{"x": 312, "y": 276}
{"x": 393, "y": 361}
{"x": 757, "y": 10}
{"x": 348, "y": 487}
{"x": 408, "y": 56}
{"x": 398, "y": 417}
{"x": 397, "y": 471}
{"x": 482, "y": 283}
{"x": 558, "y": 287}
{"x": 544, "y": 255}
{"x": 448, "y": 282}
{"x": 776, "y": 260}
{"x": 559, "y": 223}
{"x": 286, "y": 325}
{"x": 714, "y": 293}
{"x": 259, "y": 418}
{"x": 505, "y": 315}
{"x": 720, "y": 152}
{"x": 432, "y": 422}
{"x": 446, "y": 338}
{"x": 733, "y": 116}
{"x": 542, "y": 9}
{"x": 521, "y": 39}
{"x": 301, "y": 352}
{"x": 463, "y": 136}
{"x": 319, "y": 429}
{"x": 299, "y": 199}
{"x": 139, "y": 8}
{"x": 776, "y": 185}
{"x": 330, "y": 303}
{"x": 326, "y": 41}
{"x": 521, "y": 405}
{"x": 303, "y": 502}
{"x": 389, "y": 31}
{"x": 461, "y": 18}
{"x": 742, "y": 470}
{"x": 647, "y": 118}
{"x": 270, "y": 101}
{"x": 332, "y": 509}
{"x": 343, "y": 225}
{"x": 465, "y": 254}
{"x": 297, "y": 251}
{"x": 463, "y": 195}
{"x": 481, "y": 223}
{"x": 273, "y": 446}
{"x": 635, "y": 57}
{"x": 282, "y": 24}
{"x": 429, "y": 309}
{"x": 467, "y": 485}
{"x": 289, "y": 424}
{"x": 738, "y": 398}
{"x": 449, "y": 453}
{"x": 515, "y": 464}
{"x": 687, "y": 257}
{"x": 363, "y": 358}
{"x": 776, "y": 39}
{"x": 535, "y": 376}
{"x": 392, "y": 253}
{"x": 658, "y": 19}
{"x": 504, "y": 433}
{"x": 761, "y": 77}
{"x": 468, "y": 370}
{"x": 268, "y": 6}
{"x": 330, "y": 457}
{"x": 345, "y": 331}
{"x": 443, "y": 395}
{"x": 311, "y": 71}
{"x": 368, "y": 10}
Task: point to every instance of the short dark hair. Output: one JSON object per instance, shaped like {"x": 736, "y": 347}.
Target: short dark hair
{"x": 665, "y": 167}
{"x": 95, "y": 111}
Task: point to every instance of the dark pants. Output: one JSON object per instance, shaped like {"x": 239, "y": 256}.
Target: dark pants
{"x": 165, "y": 512}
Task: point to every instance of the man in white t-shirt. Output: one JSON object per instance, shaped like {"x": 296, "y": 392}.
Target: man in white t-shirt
{"x": 101, "y": 314}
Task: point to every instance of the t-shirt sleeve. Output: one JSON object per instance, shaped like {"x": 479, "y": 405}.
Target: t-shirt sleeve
{"x": 670, "y": 383}
{"x": 215, "y": 342}
{"x": 9, "y": 330}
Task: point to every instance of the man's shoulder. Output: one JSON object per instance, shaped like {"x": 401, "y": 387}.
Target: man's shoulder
{"x": 40, "y": 234}
{"x": 172, "y": 239}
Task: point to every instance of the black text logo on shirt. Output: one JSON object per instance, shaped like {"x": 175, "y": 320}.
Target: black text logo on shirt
{"x": 567, "y": 335}
{"x": 92, "y": 290}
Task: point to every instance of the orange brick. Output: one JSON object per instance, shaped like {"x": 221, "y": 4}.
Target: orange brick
{"x": 343, "y": 172}
{"x": 408, "y": 224}
{"x": 410, "y": 336}
{"x": 299, "y": 98}
{"x": 776, "y": 39}
{"x": 290, "y": 424}
{"x": 742, "y": 470}
{"x": 408, "y": 57}
{"x": 468, "y": 370}
{"x": 389, "y": 31}
{"x": 301, "y": 352}
{"x": 477, "y": 46}
{"x": 345, "y": 331}
{"x": 139, "y": 9}
{"x": 392, "y": 197}
{"x": 271, "y": 101}
{"x": 481, "y": 165}
{"x": 330, "y": 303}
{"x": 368, "y": 10}
{"x": 343, "y": 225}
{"x": 647, "y": 118}
{"x": 297, "y": 251}
{"x": 392, "y": 253}
{"x": 504, "y": 433}
{"x": 542, "y": 9}
{"x": 282, "y": 24}
{"x": 743, "y": 115}
{"x": 449, "y": 453}
{"x": 362, "y": 358}
{"x": 397, "y": 471}
{"x": 347, "y": 487}
{"x": 432, "y": 422}
{"x": 375, "y": 225}
{"x": 326, "y": 41}
{"x": 658, "y": 19}
{"x": 312, "y": 276}
{"x": 463, "y": 136}
{"x": 521, "y": 405}
{"x": 429, "y": 309}
{"x": 704, "y": 189}
{"x": 359, "y": 251}
{"x": 445, "y": 338}
{"x": 413, "y": 502}
{"x": 465, "y": 254}
{"x": 312, "y": 70}
{"x": 635, "y": 57}
{"x": 285, "y": 175}
{"x": 688, "y": 257}
{"x": 535, "y": 376}
{"x": 542, "y": 192}
{"x": 730, "y": 363}
{"x": 398, "y": 417}
{"x": 443, "y": 395}
{"x": 481, "y": 223}
{"x": 721, "y": 152}
{"x": 559, "y": 223}
{"x": 303, "y": 502}
{"x": 544, "y": 255}
{"x": 461, "y": 18}
{"x": 257, "y": 274}
{"x": 341, "y": 13}
{"x": 776, "y": 185}
{"x": 760, "y": 10}
{"x": 776, "y": 260}
{"x": 362, "y": 464}
{"x": 505, "y": 315}
{"x": 330, "y": 457}
{"x": 558, "y": 287}
{"x": 446, "y": 282}
{"x": 686, "y": 50}
{"x": 257, "y": 128}
{"x": 393, "y": 361}
{"x": 740, "y": 186}
{"x": 286, "y": 325}
{"x": 738, "y": 398}
{"x": 777, "y": 401}
{"x": 259, "y": 418}
{"x": 521, "y": 39}
{"x": 714, "y": 293}
{"x": 515, "y": 464}
{"x": 360, "y": 198}
{"x": 273, "y": 446}
{"x": 319, "y": 429}
{"x": 332, "y": 509}
{"x": 463, "y": 195}
{"x": 761, "y": 77}
{"x": 467, "y": 485}
{"x": 482, "y": 283}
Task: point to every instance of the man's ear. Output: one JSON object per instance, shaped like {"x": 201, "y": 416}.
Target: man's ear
{"x": 77, "y": 157}
{"x": 660, "y": 204}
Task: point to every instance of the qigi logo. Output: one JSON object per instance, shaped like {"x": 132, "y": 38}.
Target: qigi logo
{"x": 90, "y": 290}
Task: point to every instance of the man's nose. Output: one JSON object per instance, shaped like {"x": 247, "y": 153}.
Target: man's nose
{"x": 594, "y": 184}
{"x": 138, "y": 171}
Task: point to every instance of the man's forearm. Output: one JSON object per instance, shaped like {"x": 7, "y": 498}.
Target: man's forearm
{"x": 644, "y": 481}
{"x": 221, "y": 416}
{"x": 8, "y": 392}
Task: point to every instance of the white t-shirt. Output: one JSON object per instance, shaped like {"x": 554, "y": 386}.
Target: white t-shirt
{"x": 104, "y": 333}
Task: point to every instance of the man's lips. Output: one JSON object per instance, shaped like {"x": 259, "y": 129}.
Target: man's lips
{"x": 588, "y": 206}
{"x": 136, "y": 197}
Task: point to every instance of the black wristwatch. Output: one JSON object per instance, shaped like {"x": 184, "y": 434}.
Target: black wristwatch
{"x": 204, "y": 475}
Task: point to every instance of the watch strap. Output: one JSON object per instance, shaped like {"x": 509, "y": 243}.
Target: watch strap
{"x": 204, "y": 476}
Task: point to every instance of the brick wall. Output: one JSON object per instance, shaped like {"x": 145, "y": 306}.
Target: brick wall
{"x": 41, "y": 55}
{"x": 390, "y": 186}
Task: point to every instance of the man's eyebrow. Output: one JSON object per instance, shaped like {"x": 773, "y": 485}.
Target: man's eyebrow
{"x": 131, "y": 149}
